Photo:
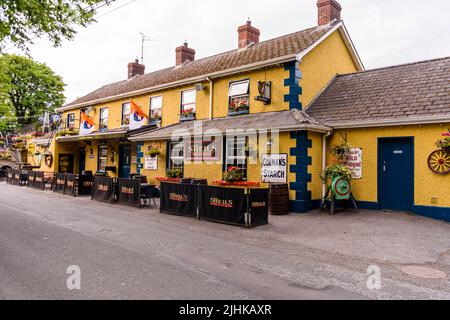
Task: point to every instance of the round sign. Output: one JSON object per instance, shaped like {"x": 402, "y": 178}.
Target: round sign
{"x": 341, "y": 188}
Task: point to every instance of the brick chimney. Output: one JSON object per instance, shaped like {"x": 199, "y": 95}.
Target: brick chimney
{"x": 135, "y": 69}
{"x": 184, "y": 54}
{"x": 248, "y": 35}
{"x": 329, "y": 10}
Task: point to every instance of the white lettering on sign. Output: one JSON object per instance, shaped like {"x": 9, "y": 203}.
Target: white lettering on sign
{"x": 354, "y": 160}
{"x": 274, "y": 168}
{"x": 150, "y": 163}
{"x": 398, "y": 152}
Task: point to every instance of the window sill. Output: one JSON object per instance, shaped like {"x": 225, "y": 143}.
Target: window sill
{"x": 187, "y": 118}
{"x": 238, "y": 113}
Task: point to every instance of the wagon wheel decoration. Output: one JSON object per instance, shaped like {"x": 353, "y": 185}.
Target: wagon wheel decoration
{"x": 439, "y": 162}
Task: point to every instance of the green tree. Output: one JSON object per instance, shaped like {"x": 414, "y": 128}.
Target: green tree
{"x": 27, "y": 90}
{"x": 21, "y": 21}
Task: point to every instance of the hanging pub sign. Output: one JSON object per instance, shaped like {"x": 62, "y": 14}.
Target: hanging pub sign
{"x": 151, "y": 163}
{"x": 274, "y": 168}
{"x": 353, "y": 159}
{"x": 264, "y": 89}
{"x": 204, "y": 150}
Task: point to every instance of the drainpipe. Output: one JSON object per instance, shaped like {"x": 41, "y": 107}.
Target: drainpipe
{"x": 211, "y": 92}
{"x": 324, "y": 162}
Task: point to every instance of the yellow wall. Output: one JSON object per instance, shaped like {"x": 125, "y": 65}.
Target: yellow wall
{"x": 315, "y": 169}
{"x": 322, "y": 64}
{"x": 427, "y": 184}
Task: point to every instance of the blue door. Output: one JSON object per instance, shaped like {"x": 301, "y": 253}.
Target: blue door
{"x": 124, "y": 161}
{"x": 396, "y": 166}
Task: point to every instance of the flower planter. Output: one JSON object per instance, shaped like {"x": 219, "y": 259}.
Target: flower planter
{"x": 189, "y": 117}
{"x": 232, "y": 113}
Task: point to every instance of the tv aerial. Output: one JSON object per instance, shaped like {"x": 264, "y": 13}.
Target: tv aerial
{"x": 144, "y": 39}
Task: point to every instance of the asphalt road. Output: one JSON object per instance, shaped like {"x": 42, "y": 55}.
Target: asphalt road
{"x": 127, "y": 253}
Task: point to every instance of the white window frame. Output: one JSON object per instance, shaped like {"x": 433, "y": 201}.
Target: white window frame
{"x": 188, "y": 105}
{"x": 102, "y": 120}
{"x": 129, "y": 114}
{"x": 71, "y": 119}
{"x": 239, "y": 94}
{"x": 236, "y": 153}
{"x": 152, "y": 109}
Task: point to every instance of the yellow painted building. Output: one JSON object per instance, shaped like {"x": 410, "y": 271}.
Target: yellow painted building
{"x": 308, "y": 89}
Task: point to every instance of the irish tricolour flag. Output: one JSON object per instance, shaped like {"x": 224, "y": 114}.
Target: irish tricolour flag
{"x": 86, "y": 125}
{"x": 137, "y": 116}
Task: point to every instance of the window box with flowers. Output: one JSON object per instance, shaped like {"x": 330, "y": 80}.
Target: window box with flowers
{"x": 239, "y": 98}
{"x": 187, "y": 115}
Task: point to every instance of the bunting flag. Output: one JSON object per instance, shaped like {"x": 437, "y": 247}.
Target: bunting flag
{"x": 86, "y": 125}
{"x": 137, "y": 116}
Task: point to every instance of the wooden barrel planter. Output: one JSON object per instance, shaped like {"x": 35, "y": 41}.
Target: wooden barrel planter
{"x": 279, "y": 199}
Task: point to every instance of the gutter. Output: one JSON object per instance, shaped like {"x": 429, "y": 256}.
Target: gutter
{"x": 312, "y": 128}
{"x": 391, "y": 122}
{"x": 324, "y": 162}
{"x": 211, "y": 92}
{"x": 203, "y": 78}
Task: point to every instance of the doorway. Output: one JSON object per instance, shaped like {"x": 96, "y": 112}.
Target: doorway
{"x": 125, "y": 161}
{"x": 81, "y": 161}
{"x": 396, "y": 173}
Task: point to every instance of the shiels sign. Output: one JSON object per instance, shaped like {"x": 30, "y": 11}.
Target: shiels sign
{"x": 274, "y": 168}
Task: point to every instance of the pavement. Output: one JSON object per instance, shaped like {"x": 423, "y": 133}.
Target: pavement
{"x": 130, "y": 253}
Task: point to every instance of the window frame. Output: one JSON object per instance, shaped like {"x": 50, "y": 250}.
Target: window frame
{"x": 183, "y": 105}
{"x": 101, "y": 119}
{"x": 238, "y": 97}
{"x": 124, "y": 116}
{"x": 99, "y": 157}
{"x": 240, "y": 161}
{"x": 151, "y": 110}
{"x": 170, "y": 163}
{"x": 68, "y": 121}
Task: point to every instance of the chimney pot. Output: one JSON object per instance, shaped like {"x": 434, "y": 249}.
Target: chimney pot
{"x": 135, "y": 69}
{"x": 328, "y": 11}
{"x": 184, "y": 54}
{"x": 248, "y": 35}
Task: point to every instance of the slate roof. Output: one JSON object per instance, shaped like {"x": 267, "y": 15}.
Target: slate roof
{"x": 415, "y": 90}
{"x": 275, "y": 48}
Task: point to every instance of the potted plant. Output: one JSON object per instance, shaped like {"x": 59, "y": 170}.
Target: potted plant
{"x": 174, "y": 173}
{"x": 238, "y": 107}
{"x": 155, "y": 119}
{"x": 233, "y": 174}
{"x": 335, "y": 171}
{"x": 444, "y": 144}
{"x": 67, "y": 132}
{"x": 153, "y": 151}
{"x": 339, "y": 150}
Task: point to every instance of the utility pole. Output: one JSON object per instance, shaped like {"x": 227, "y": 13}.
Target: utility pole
{"x": 144, "y": 38}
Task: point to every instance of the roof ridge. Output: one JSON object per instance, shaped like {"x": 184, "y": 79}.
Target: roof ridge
{"x": 393, "y": 66}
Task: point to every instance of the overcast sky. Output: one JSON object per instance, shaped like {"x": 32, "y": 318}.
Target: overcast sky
{"x": 385, "y": 32}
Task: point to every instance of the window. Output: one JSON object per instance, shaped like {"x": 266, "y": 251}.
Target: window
{"x": 176, "y": 156}
{"x": 239, "y": 98}
{"x": 236, "y": 153}
{"x": 126, "y": 114}
{"x": 155, "y": 109}
{"x": 70, "y": 121}
{"x": 188, "y": 104}
{"x": 102, "y": 158}
{"x": 103, "y": 124}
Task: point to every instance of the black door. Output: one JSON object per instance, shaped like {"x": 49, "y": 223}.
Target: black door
{"x": 125, "y": 161}
{"x": 82, "y": 161}
{"x": 396, "y": 174}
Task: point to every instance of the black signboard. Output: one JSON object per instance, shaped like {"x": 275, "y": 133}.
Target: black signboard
{"x": 71, "y": 187}
{"x": 39, "y": 180}
{"x": 85, "y": 185}
{"x": 103, "y": 189}
{"x": 179, "y": 199}
{"x": 259, "y": 207}
{"x": 31, "y": 179}
{"x": 226, "y": 205}
{"x": 60, "y": 183}
{"x": 129, "y": 192}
